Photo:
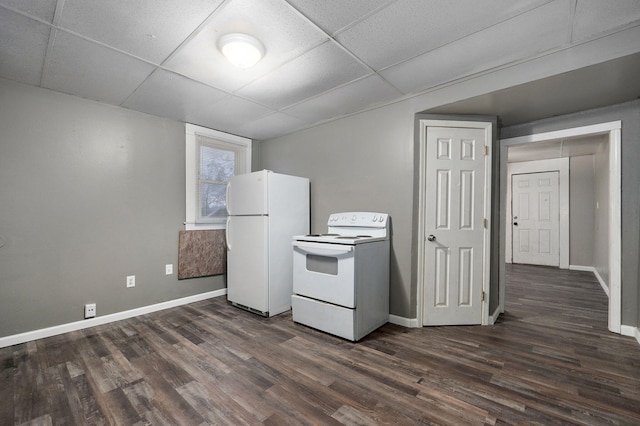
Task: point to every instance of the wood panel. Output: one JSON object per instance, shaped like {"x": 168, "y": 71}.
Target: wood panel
{"x": 548, "y": 360}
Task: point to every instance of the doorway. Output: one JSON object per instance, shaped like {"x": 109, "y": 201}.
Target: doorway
{"x": 611, "y": 132}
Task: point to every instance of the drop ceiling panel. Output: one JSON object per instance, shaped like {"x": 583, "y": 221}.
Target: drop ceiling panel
{"x": 171, "y": 95}
{"x": 319, "y": 70}
{"x": 596, "y": 16}
{"x": 41, "y": 9}
{"x": 271, "y": 125}
{"x": 102, "y": 74}
{"x": 23, "y": 43}
{"x": 333, "y": 15}
{"x": 368, "y": 91}
{"x": 409, "y": 28}
{"x": 233, "y": 112}
{"x": 147, "y": 29}
{"x": 283, "y": 31}
{"x": 531, "y": 33}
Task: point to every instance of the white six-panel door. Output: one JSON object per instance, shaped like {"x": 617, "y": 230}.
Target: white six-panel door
{"x": 454, "y": 243}
{"x": 536, "y": 218}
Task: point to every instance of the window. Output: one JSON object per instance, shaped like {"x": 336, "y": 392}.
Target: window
{"x": 212, "y": 157}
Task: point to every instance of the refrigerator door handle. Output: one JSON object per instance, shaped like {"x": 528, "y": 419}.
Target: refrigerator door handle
{"x": 226, "y": 198}
{"x": 226, "y": 233}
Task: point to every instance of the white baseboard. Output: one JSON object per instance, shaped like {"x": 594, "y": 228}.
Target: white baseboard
{"x": 105, "y": 319}
{"x": 604, "y": 285}
{"x": 494, "y": 316}
{"x": 628, "y": 330}
{"x": 581, "y": 268}
{"x": 404, "y": 322}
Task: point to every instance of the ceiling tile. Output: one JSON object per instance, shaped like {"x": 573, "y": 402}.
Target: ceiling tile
{"x": 409, "y": 28}
{"x": 596, "y": 16}
{"x": 353, "y": 97}
{"x": 42, "y": 9}
{"x": 284, "y": 33}
{"x": 333, "y": 15}
{"x": 147, "y": 29}
{"x": 317, "y": 71}
{"x": 166, "y": 94}
{"x": 232, "y": 112}
{"x": 88, "y": 70}
{"x": 23, "y": 44}
{"x": 530, "y": 34}
{"x": 270, "y": 126}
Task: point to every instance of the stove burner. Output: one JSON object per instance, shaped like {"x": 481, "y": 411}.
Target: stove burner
{"x": 363, "y": 236}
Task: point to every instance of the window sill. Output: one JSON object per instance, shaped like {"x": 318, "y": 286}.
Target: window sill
{"x": 204, "y": 226}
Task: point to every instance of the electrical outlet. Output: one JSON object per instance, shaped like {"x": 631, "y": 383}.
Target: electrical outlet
{"x": 90, "y": 310}
{"x": 168, "y": 269}
{"x": 131, "y": 281}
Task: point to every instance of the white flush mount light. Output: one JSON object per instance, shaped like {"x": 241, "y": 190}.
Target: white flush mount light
{"x": 242, "y": 50}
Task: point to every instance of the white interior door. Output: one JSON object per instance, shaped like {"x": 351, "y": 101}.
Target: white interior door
{"x": 455, "y": 207}
{"x": 536, "y": 218}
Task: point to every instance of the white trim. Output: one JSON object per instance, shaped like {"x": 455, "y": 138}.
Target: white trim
{"x": 566, "y": 133}
{"x": 582, "y": 268}
{"x": 494, "y": 316}
{"x": 595, "y": 272}
{"x": 613, "y": 129}
{"x": 615, "y": 229}
{"x": 191, "y": 170}
{"x": 404, "y": 322}
{"x": 557, "y": 164}
{"x": 486, "y": 267}
{"x": 628, "y": 330}
{"x": 105, "y": 319}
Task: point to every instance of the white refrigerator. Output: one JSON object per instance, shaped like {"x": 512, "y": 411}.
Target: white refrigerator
{"x": 266, "y": 210}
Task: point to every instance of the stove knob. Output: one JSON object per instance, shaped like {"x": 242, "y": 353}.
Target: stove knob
{"x": 353, "y": 218}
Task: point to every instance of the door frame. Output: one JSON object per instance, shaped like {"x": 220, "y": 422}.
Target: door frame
{"x": 561, "y": 165}
{"x": 614, "y": 130}
{"x": 423, "y": 124}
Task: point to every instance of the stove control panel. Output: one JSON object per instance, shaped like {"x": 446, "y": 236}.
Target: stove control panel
{"x": 360, "y": 219}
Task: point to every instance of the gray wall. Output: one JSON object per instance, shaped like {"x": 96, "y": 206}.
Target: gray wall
{"x": 89, "y": 193}
{"x": 366, "y": 162}
{"x": 361, "y": 163}
{"x": 581, "y": 210}
{"x": 629, "y": 114}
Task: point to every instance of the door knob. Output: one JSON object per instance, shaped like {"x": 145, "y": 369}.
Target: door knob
{"x": 515, "y": 223}
{"x": 431, "y": 237}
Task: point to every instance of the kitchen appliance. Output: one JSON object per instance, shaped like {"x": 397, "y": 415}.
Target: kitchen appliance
{"x": 341, "y": 278}
{"x": 266, "y": 210}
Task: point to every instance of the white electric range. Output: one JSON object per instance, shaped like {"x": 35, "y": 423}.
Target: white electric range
{"x": 341, "y": 278}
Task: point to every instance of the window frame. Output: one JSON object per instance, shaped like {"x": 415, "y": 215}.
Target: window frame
{"x": 216, "y": 139}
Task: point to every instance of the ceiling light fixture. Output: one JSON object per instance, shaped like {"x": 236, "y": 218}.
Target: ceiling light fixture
{"x": 242, "y": 50}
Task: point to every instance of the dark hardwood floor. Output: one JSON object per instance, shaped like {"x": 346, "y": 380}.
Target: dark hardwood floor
{"x": 548, "y": 360}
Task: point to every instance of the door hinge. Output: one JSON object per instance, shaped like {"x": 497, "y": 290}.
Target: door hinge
{"x": 486, "y": 150}
{"x": 485, "y": 223}
{"x": 483, "y": 295}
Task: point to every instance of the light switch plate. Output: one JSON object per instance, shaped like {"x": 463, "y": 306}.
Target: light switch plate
{"x": 168, "y": 269}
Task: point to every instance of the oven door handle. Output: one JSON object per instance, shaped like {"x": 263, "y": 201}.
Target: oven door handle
{"x": 321, "y": 249}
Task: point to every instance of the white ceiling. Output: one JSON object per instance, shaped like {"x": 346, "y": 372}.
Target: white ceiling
{"x": 324, "y": 59}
